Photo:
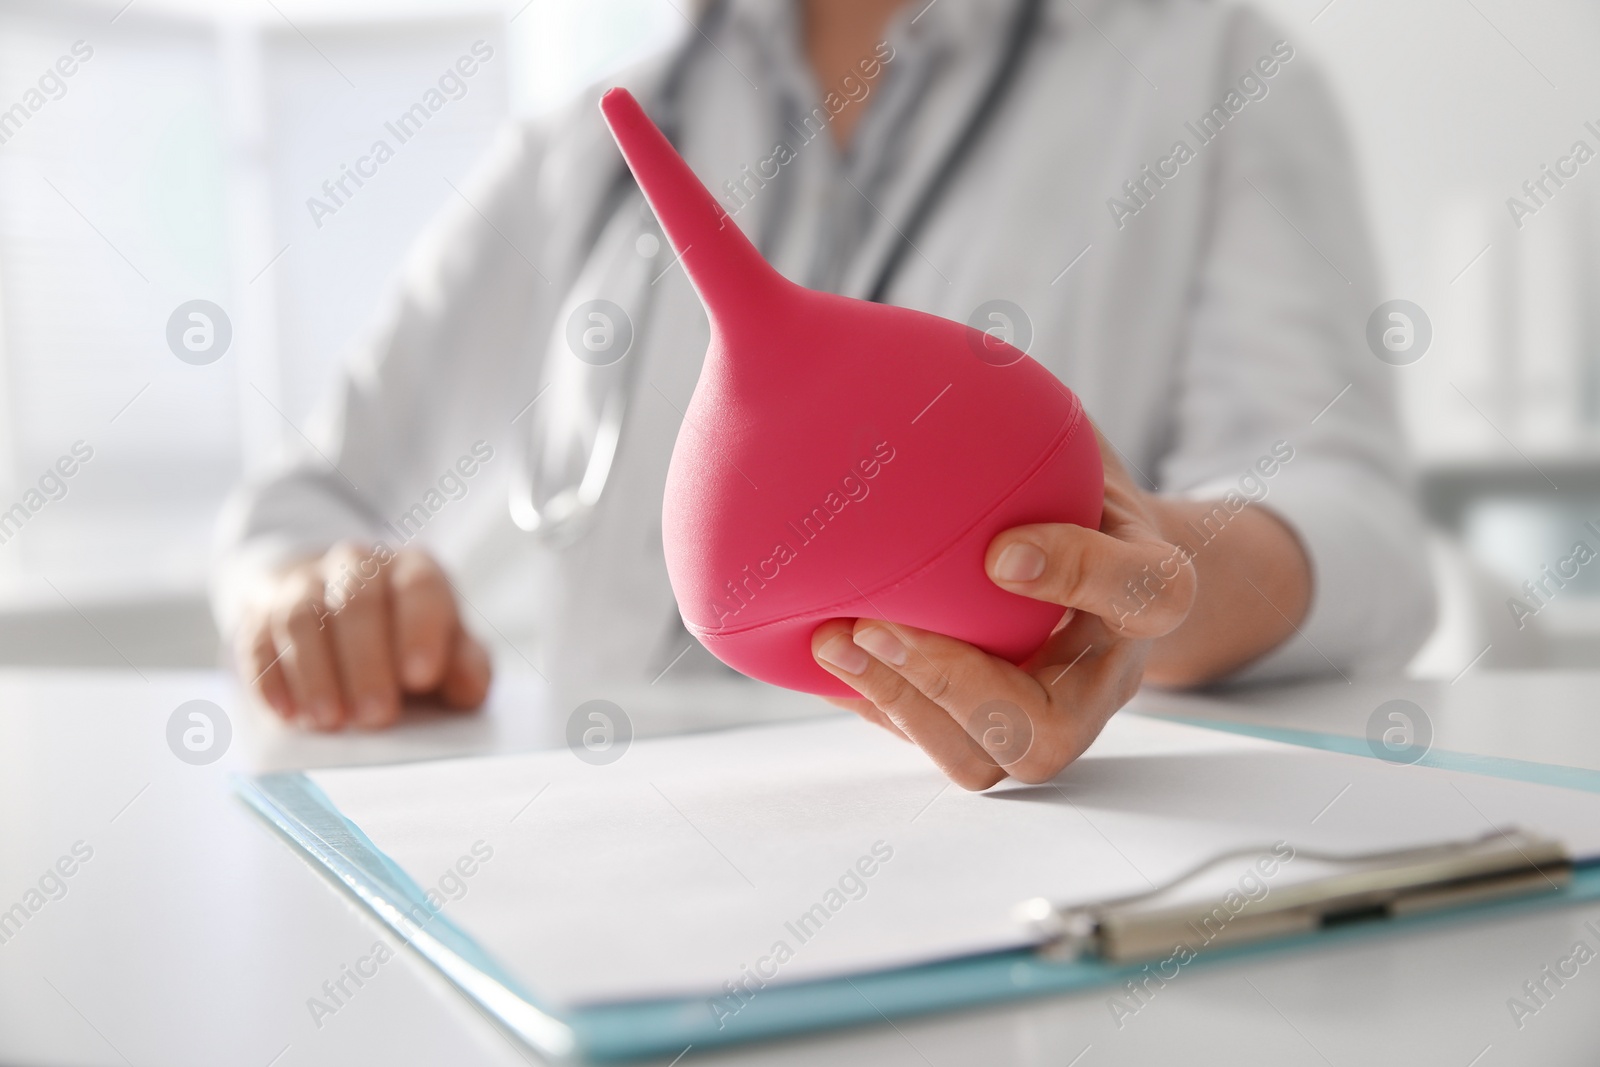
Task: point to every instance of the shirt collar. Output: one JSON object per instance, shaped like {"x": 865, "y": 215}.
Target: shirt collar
{"x": 952, "y": 23}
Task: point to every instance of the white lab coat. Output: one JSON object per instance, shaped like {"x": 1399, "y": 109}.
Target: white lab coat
{"x": 1219, "y": 312}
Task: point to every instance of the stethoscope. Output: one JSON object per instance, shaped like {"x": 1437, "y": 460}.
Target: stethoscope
{"x": 569, "y": 446}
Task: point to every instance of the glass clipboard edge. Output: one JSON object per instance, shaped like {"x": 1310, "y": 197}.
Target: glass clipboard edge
{"x": 298, "y": 810}
{"x": 636, "y": 1029}
{"x": 1518, "y": 770}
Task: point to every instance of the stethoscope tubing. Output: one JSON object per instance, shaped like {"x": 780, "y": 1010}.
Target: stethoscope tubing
{"x": 1020, "y": 34}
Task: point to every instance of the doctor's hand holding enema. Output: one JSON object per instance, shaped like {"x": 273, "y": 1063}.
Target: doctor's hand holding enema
{"x": 1196, "y": 618}
{"x": 342, "y": 638}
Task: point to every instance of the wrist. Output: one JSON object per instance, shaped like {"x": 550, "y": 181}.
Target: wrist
{"x": 1254, "y": 589}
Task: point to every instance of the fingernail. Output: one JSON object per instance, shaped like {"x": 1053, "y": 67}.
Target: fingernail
{"x": 372, "y": 711}
{"x": 418, "y": 669}
{"x": 841, "y": 652}
{"x": 324, "y": 714}
{"x": 883, "y": 644}
{"x": 1019, "y": 562}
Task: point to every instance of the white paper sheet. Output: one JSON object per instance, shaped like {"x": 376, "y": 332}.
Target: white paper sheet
{"x": 691, "y": 860}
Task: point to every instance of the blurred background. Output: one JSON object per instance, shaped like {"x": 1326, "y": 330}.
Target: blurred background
{"x": 175, "y": 162}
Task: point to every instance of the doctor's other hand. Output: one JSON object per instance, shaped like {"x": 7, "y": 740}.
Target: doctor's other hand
{"x": 1195, "y": 617}
{"x": 342, "y": 638}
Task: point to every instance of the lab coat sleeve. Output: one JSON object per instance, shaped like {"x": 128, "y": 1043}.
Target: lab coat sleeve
{"x": 447, "y": 356}
{"x": 1277, "y": 356}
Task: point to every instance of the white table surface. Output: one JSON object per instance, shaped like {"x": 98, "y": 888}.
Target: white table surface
{"x": 195, "y": 935}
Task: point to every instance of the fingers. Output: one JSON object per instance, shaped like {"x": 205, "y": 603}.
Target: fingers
{"x": 466, "y": 681}
{"x": 1001, "y": 709}
{"x": 1089, "y": 667}
{"x": 427, "y": 629}
{"x": 356, "y": 589}
{"x": 916, "y": 716}
{"x": 1143, "y": 588}
{"x": 332, "y": 638}
{"x": 307, "y": 660}
{"x": 1091, "y": 673}
{"x": 978, "y": 717}
{"x": 258, "y": 657}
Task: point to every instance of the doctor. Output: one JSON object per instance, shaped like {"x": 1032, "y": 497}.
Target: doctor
{"x": 1155, "y": 200}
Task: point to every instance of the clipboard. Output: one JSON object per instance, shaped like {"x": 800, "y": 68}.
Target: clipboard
{"x": 1080, "y": 948}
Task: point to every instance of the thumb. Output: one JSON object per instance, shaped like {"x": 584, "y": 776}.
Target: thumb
{"x": 1145, "y": 588}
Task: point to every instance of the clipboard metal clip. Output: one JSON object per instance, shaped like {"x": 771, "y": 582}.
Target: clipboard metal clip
{"x": 1502, "y": 864}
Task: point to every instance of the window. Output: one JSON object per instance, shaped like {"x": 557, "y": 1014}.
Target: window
{"x": 184, "y": 158}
